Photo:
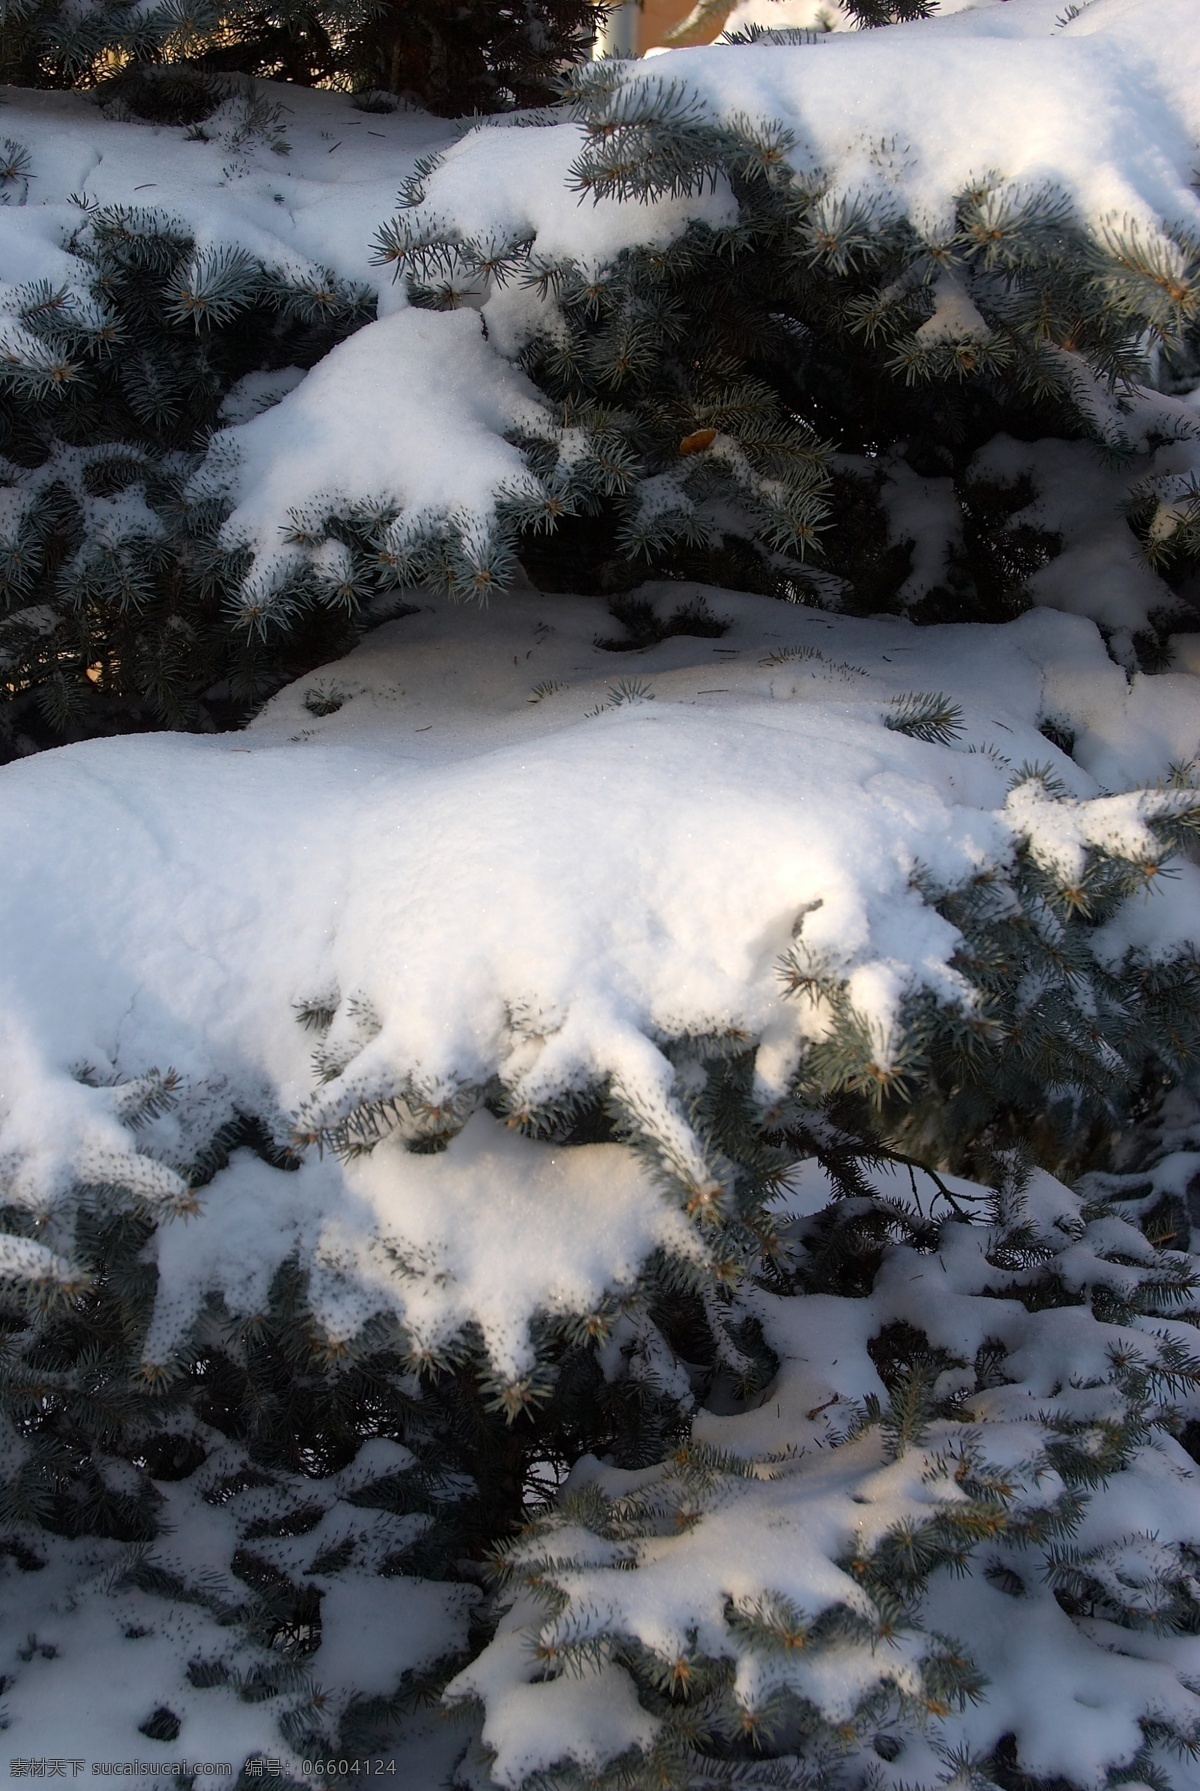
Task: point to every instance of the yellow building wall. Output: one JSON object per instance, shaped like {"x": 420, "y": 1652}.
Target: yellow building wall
{"x": 658, "y": 16}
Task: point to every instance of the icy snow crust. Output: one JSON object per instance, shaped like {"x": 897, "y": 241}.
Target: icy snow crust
{"x": 505, "y": 858}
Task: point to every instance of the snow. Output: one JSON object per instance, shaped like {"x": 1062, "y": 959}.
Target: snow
{"x": 497, "y": 914}
{"x": 813, "y": 15}
{"x": 516, "y": 869}
{"x": 588, "y": 1718}
{"x": 498, "y": 874}
{"x": 373, "y": 1630}
{"x": 509, "y": 180}
{"x": 88, "y": 1657}
{"x": 813, "y": 1492}
{"x": 1060, "y": 109}
{"x": 1102, "y": 109}
{"x": 1101, "y": 571}
{"x": 315, "y": 207}
{"x": 434, "y": 1240}
{"x": 332, "y": 445}
{"x": 508, "y": 860}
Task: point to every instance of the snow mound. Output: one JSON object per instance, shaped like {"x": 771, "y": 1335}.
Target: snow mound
{"x": 1103, "y": 107}
{"x": 333, "y": 446}
{"x": 304, "y": 196}
{"x": 495, "y": 865}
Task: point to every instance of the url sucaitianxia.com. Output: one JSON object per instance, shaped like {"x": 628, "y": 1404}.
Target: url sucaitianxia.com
{"x": 118, "y": 1769}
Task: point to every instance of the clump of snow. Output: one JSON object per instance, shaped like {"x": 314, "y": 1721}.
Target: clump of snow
{"x": 421, "y": 1236}
{"x": 497, "y": 868}
{"x": 1079, "y": 497}
{"x": 923, "y": 512}
{"x": 1101, "y": 570}
{"x": 509, "y": 181}
{"x": 358, "y": 433}
{"x": 1101, "y": 109}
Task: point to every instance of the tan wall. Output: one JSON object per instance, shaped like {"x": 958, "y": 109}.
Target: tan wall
{"x": 658, "y": 16}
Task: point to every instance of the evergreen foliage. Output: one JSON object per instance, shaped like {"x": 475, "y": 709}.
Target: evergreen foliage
{"x": 112, "y": 576}
{"x": 113, "y": 582}
{"x": 1057, "y": 1042}
{"x": 689, "y": 1580}
{"x": 698, "y": 391}
{"x": 1061, "y": 1044}
{"x": 728, "y": 406}
{"x": 869, "y": 14}
{"x": 170, "y": 64}
{"x": 866, "y": 1482}
{"x": 772, "y": 1510}
{"x": 755, "y": 1660}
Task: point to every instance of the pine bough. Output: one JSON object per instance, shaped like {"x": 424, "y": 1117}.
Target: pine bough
{"x": 871, "y": 1471}
{"x": 705, "y": 344}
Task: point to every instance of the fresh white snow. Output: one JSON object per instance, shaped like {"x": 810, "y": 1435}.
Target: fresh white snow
{"x": 509, "y": 857}
{"x": 507, "y": 860}
{"x": 1102, "y": 108}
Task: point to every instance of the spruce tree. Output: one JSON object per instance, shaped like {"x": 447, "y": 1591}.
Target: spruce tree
{"x": 111, "y": 389}
{"x": 724, "y": 371}
{"x": 769, "y": 1510}
{"x": 704, "y": 1583}
{"x": 724, "y": 405}
{"x": 113, "y": 580}
{"x": 166, "y": 63}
